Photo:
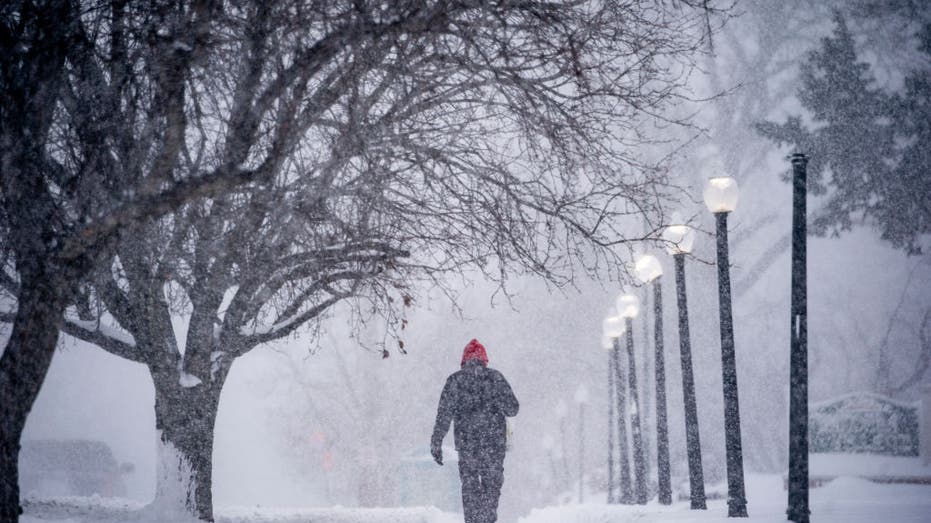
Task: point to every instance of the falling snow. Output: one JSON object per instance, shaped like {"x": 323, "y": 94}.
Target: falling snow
{"x": 244, "y": 245}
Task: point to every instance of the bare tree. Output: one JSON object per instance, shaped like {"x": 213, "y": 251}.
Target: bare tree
{"x": 889, "y": 349}
{"x": 422, "y": 140}
{"x": 61, "y": 208}
{"x": 114, "y": 113}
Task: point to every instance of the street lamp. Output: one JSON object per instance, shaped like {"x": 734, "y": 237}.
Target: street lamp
{"x": 562, "y": 412}
{"x": 628, "y": 307}
{"x": 607, "y": 343}
{"x": 581, "y": 398}
{"x": 679, "y": 240}
{"x": 549, "y": 446}
{"x": 798, "y": 510}
{"x": 721, "y": 198}
{"x": 649, "y": 270}
{"x": 613, "y": 328}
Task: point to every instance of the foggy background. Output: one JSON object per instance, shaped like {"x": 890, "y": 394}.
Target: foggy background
{"x": 324, "y": 419}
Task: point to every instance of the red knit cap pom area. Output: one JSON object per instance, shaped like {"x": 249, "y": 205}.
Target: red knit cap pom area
{"x": 474, "y": 351}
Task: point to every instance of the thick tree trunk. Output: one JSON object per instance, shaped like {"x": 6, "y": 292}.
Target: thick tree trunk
{"x": 185, "y": 418}
{"x": 30, "y": 73}
{"x": 23, "y": 367}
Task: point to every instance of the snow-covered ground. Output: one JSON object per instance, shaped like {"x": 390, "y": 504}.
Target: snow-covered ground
{"x": 843, "y": 500}
{"x": 101, "y": 510}
{"x": 881, "y": 468}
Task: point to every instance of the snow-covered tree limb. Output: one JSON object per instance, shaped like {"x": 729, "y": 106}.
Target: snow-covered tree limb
{"x": 253, "y": 164}
{"x": 111, "y": 340}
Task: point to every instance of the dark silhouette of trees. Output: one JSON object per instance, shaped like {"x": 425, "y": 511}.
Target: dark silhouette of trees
{"x": 250, "y": 164}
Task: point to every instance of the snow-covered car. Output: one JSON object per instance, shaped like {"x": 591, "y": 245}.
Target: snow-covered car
{"x": 71, "y": 467}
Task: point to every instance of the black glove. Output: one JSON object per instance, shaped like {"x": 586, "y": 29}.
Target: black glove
{"x": 437, "y": 452}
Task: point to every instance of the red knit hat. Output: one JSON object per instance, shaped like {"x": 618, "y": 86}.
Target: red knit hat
{"x": 474, "y": 351}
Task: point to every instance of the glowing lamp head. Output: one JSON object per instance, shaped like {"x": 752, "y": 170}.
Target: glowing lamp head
{"x": 679, "y": 237}
{"x": 647, "y": 268}
{"x": 721, "y": 194}
{"x": 628, "y": 305}
{"x": 607, "y": 342}
{"x": 613, "y": 327}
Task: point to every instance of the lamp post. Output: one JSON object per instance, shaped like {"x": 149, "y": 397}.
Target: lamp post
{"x": 607, "y": 343}
{"x": 613, "y": 327}
{"x": 581, "y": 398}
{"x": 562, "y": 412}
{"x": 649, "y": 270}
{"x": 680, "y": 238}
{"x": 549, "y": 446}
{"x": 628, "y": 306}
{"x": 720, "y": 197}
{"x": 646, "y": 382}
{"x": 798, "y": 360}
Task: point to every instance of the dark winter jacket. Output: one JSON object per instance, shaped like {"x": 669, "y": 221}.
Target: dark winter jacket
{"x": 476, "y": 398}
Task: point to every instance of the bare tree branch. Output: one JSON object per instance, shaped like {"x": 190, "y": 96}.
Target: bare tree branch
{"x": 117, "y": 343}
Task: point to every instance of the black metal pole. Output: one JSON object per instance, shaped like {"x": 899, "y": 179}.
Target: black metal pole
{"x": 659, "y": 371}
{"x": 567, "y": 472}
{"x": 645, "y": 391}
{"x": 692, "y": 439}
{"x": 555, "y": 468}
{"x": 626, "y": 493}
{"x": 640, "y": 464}
{"x": 798, "y": 510}
{"x": 611, "y": 486}
{"x": 736, "y": 499}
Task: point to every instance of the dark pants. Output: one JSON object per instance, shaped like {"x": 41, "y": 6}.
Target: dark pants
{"x": 482, "y": 474}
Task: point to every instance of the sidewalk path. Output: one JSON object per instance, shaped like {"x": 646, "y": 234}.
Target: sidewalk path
{"x": 844, "y": 500}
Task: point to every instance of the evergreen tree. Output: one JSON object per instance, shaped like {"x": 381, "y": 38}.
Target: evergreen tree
{"x": 870, "y": 150}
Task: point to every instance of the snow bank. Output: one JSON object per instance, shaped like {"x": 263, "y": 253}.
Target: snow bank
{"x": 97, "y": 510}
{"x": 868, "y": 465}
{"x": 336, "y": 515}
{"x": 844, "y": 500}
{"x": 174, "y": 489}
{"x": 76, "y": 508}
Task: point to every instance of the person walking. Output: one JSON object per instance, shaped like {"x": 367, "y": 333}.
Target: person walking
{"x": 477, "y": 398}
